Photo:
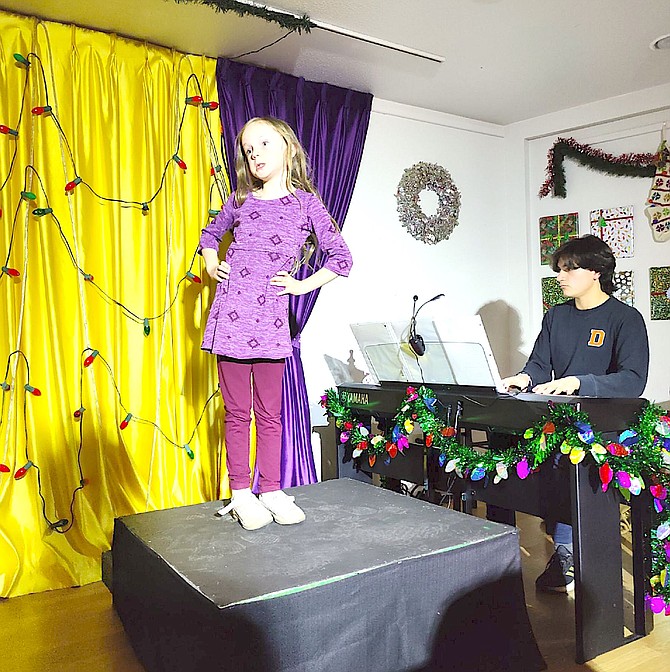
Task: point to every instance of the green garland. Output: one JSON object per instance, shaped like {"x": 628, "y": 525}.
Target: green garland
{"x": 284, "y": 19}
{"x": 639, "y": 459}
{"x": 629, "y": 165}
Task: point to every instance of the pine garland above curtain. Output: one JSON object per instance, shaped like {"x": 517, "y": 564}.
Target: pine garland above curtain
{"x": 284, "y": 19}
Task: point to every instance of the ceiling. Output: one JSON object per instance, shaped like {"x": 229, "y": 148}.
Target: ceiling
{"x": 505, "y": 60}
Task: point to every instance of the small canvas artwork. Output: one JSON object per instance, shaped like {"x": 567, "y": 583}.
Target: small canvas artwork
{"x": 659, "y": 290}
{"x": 554, "y": 231}
{"x": 615, "y": 227}
{"x": 552, "y": 294}
{"x": 623, "y": 287}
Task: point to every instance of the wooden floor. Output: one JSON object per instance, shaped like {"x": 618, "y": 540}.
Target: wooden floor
{"x": 77, "y": 630}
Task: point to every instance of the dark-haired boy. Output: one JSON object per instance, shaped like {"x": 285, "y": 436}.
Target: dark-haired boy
{"x": 592, "y": 345}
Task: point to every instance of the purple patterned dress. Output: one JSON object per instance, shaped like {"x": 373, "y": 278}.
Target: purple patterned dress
{"x": 247, "y": 318}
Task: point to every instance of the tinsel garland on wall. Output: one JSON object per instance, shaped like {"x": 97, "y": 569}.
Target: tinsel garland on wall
{"x": 284, "y": 19}
{"x": 630, "y": 165}
{"x": 637, "y": 460}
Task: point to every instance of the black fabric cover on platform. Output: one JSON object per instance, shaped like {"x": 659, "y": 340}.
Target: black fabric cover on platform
{"x": 372, "y": 581}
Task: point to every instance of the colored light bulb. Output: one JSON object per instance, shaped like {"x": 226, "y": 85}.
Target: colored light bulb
{"x": 79, "y": 412}
{"x": 4, "y": 469}
{"x": 71, "y": 185}
{"x": 211, "y": 105}
{"x": 6, "y": 130}
{"x": 41, "y": 109}
{"x": 147, "y": 328}
{"x": 20, "y": 473}
{"x": 40, "y": 212}
{"x": 180, "y": 162}
{"x": 21, "y": 59}
{"x": 125, "y": 421}
{"x": 213, "y": 213}
{"x": 88, "y": 276}
{"x": 59, "y": 523}
{"x": 145, "y": 208}
{"x": 5, "y": 386}
{"x": 194, "y": 100}
{"x": 35, "y": 391}
{"x": 10, "y": 271}
{"x": 189, "y": 451}
{"x": 192, "y": 277}
{"x": 89, "y": 360}
{"x": 28, "y": 196}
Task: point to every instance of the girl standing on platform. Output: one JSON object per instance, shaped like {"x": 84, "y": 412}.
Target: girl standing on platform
{"x": 276, "y": 218}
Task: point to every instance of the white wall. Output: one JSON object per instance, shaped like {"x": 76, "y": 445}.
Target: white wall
{"x": 490, "y": 264}
{"x": 622, "y": 125}
{"x": 389, "y": 265}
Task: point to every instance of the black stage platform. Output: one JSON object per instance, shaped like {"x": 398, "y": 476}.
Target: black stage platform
{"x": 372, "y": 581}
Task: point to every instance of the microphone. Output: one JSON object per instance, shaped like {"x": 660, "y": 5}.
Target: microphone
{"x": 415, "y": 340}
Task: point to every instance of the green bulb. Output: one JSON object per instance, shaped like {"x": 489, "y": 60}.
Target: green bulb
{"x": 147, "y": 328}
{"x": 28, "y": 195}
{"x": 189, "y": 452}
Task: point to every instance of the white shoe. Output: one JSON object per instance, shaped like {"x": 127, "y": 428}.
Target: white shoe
{"x": 247, "y": 510}
{"x": 282, "y": 507}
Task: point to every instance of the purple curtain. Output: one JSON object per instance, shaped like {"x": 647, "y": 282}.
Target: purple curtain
{"x": 331, "y": 124}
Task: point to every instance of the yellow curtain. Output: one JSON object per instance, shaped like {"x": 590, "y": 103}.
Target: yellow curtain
{"x": 119, "y": 105}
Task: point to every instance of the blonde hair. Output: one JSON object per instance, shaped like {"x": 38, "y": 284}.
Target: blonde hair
{"x": 296, "y": 169}
{"x": 296, "y": 164}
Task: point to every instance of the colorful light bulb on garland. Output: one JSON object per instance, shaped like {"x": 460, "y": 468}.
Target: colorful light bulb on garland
{"x": 192, "y": 277}
{"x": 179, "y": 161}
{"x": 70, "y": 186}
{"x": 211, "y": 105}
{"x": 35, "y": 391}
{"x": 40, "y": 212}
{"x": 126, "y": 420}
{"x": 20, "y": 473}
{"x": 11, "y": 272}
{"x": 22, "y": 60}
{"x": 214, "y": 169}
{"x": 194, "y": 100}
{"x": 89, "y": 360}
{"x": 41, "y": 109}
{"x": 6, "y": 130}
{"x": 78, "y": 413}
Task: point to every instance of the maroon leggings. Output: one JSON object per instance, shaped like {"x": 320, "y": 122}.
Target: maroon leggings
{"x": 237, "y": 381}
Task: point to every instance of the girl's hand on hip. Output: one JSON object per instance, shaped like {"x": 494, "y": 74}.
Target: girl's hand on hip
{"x": 290, "y": 284}
{"x": 219, "y": 272}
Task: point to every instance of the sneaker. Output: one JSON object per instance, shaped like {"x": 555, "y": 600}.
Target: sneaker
{"x": 559, "y": 575}
{"x": 247, "y": 510}
{"x": 282, "y": 507}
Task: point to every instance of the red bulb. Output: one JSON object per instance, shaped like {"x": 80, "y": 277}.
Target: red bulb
{"x": 125, "y": 421}
{"x": 36, "y": 392}
{"x": 20, "y": 473}
{"x": 211, "y": 105}
{"x": 71, "y": 185}
{"x": 211, "y": 172}
{"x": 89, "y": 360}
{"x": 4, "y": 129}
{"x": 4, "y": 469}
{"x": 10, "y": 271}
{"x": 194, "y": 100}
{"x": 88, "y": 276}
{"x": 192, "y": 277}
{"x": 179, "y": 161}
{"x": 41, "y": 109}
{"x": 79, "y": 412}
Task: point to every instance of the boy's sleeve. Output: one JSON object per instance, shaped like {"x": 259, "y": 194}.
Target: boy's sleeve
{"x": 212, "y": 234}
{"x": 338, "y": 256}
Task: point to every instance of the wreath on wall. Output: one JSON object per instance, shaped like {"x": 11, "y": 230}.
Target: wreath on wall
{"x": 429, "y": 229}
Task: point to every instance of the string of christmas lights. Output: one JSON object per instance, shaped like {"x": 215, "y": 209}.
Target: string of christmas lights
{"x": 46, "y": 110}
{"x": 88, "y": 356}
